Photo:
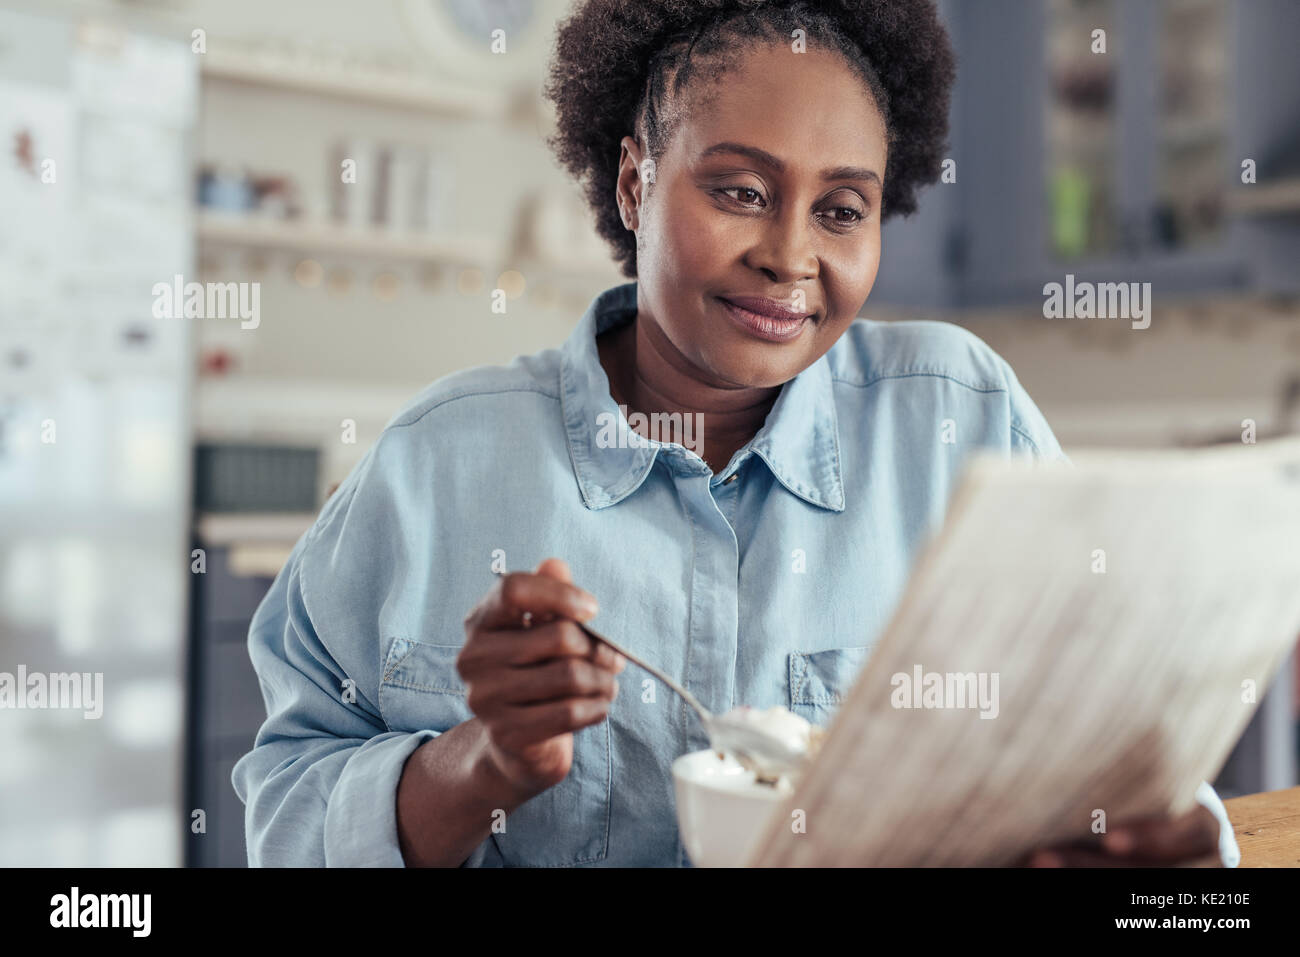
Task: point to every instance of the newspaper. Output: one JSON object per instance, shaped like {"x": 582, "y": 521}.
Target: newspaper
{"x": 1075, "y": 646}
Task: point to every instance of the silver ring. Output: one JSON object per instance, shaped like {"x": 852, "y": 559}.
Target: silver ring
{"x": 528, "y": 619}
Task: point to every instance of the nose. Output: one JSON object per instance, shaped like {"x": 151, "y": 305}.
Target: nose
{"x": 784, "y": 250}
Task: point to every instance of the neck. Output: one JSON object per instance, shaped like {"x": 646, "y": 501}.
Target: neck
{"x": 647, "y": 374}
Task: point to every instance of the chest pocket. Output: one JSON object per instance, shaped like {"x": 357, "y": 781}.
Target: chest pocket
{"x": 819, "y": 680}
{"x": 565, "y": 825}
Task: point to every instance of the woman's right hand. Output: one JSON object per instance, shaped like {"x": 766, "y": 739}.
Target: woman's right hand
{"x": 533, "y": 685}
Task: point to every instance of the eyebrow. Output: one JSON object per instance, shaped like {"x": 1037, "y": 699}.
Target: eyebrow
{"x": 776, "y": 163}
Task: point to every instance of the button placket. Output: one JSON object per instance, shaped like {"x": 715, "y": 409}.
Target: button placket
{"x": 726, "y": 494}
{"x": 714, "y": 626}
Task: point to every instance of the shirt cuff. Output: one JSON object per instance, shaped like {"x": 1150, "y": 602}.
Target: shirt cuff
{"x": 1229, "y": 852}
{"x": 361, "y": 815}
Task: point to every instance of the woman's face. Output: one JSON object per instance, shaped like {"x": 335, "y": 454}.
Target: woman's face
{"x": 770, "y": 188}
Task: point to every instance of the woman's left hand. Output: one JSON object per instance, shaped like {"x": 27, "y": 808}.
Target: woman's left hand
{"x": 1189, "y": 840}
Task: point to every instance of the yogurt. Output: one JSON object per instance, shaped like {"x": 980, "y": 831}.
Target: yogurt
{"x": 796, "y": 733}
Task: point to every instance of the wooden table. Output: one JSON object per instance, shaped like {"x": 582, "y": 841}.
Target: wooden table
{"x": 1267, "y": 826}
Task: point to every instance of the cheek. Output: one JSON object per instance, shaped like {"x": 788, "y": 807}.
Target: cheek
{"x": 849, "y": 275}
{"x": 691, "y": 239}
{"x": 857, "y": 261}
{"x": 686, "y": 237}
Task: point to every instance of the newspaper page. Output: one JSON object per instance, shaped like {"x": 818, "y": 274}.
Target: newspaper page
{"x": 1075, "y": 645}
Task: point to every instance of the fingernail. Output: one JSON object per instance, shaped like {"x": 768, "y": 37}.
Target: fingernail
{"x": 621, "y": 662}
{"x": 1118, "y": 842}
{"x": 586, "y": 605}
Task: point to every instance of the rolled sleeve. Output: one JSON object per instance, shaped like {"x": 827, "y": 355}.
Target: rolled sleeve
{"x": 320, "y": 784}
{"x": 361, "y": 816}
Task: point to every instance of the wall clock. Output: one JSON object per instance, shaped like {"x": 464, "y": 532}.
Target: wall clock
{"x": 458, "y": 36}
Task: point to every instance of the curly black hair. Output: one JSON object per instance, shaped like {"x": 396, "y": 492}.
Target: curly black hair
{"x": 615, "y": 61}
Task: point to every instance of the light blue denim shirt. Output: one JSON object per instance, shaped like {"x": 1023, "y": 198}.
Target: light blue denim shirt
{"x": 765, "y": 584}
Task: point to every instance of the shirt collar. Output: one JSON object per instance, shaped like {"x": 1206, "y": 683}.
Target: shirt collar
{"x": 799, "y": 441}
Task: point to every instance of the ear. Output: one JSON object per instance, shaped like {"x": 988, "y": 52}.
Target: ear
{"x": 632, "y": 179}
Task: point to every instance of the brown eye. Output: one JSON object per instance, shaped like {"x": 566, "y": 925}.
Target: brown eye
{"x": 839, "y": 219}
{"x": 743, "y": 191}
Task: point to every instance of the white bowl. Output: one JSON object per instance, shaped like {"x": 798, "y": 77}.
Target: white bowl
{"x": 721, "y": 808}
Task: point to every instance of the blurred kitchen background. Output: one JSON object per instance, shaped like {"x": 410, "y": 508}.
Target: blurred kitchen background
{"x": 205, "y": 138}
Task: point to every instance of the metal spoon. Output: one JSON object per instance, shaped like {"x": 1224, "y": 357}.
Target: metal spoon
{"x": 763, "y": 753}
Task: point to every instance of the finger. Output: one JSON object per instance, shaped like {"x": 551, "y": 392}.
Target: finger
{"x": 491, "y": 650}
{"x": 552, "y": 681}
{"x": 1191, "y": 835}
{"x": 603, "y": 656}
{"x": 519, "y": 726}
{"x": 1045, "y": 858}
{"x": 1077, "y": 857}
{"x": 541, "y": 595}
{"x": 556, "y": 568}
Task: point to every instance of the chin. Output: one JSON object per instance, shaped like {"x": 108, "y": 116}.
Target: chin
{"x": 759, "y": 375}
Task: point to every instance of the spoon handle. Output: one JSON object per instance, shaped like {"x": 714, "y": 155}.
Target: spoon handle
{"x": 703, "y": 712}
{"x": 705, "y": 715}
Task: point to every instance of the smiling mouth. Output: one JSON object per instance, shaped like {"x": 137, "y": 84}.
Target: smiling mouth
{"x": 768, "y": 327}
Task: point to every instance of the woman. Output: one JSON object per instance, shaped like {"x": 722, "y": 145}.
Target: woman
{"x": 720, "y": 454}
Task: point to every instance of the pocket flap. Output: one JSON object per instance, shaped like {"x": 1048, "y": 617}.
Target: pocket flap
{"x": 824, "y": 677}
{"x": 420, "y": 687}
{"x": 421, "y": 666}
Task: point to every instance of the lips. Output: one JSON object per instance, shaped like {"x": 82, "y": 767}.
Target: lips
{"x": 775, "y": 323}
{"x": 772, "y": 308}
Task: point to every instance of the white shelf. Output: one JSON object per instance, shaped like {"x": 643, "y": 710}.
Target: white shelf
{"x": 238, "y": 230}
{"x": 263, "y": 528}
{"x": 367, "y": 86}
{"x": 583, "y": 267}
